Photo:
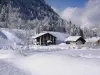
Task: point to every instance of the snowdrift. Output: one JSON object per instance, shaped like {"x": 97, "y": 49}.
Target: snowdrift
{"x": 9, "y": 38}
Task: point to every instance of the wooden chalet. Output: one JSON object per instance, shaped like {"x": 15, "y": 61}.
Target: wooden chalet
{"x": 45, "y": 39}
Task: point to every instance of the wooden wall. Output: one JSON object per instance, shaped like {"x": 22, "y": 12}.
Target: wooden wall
{"x": 42, "y": 40}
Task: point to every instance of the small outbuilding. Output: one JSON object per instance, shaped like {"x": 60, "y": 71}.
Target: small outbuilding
{"x": 75, "y": 40}
{"x": 44, "y": 38}
{"x": 93, "y": 40}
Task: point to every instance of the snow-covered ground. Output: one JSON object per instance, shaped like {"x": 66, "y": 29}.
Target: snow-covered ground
{"x": 59, "y": 59}
{"x": 64, "y": 62}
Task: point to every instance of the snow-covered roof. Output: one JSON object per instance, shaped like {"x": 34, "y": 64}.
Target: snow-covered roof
{"x": 93, "y": 39}
{"x": 58, "y": 35}
{"x": 73, "y": 38}
{"x": 38, "y": 35}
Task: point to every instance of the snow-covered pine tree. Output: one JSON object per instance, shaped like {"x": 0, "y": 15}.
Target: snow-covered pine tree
{"x": 4, "y": 16}
{"x": 32, "y": 10}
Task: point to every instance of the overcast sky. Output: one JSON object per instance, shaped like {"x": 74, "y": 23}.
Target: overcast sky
{"x": 82, "y": 12}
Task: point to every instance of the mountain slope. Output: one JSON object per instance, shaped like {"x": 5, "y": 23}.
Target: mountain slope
{"x": 29, "y": 14}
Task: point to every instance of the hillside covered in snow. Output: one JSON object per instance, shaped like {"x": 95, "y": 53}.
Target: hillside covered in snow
{"x": 31, "y": 14}
{"x": 10, "y": 39}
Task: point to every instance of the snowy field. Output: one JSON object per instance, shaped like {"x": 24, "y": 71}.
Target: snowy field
{"x": 59, "y": 59}
{"x": 64, "y": 62}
